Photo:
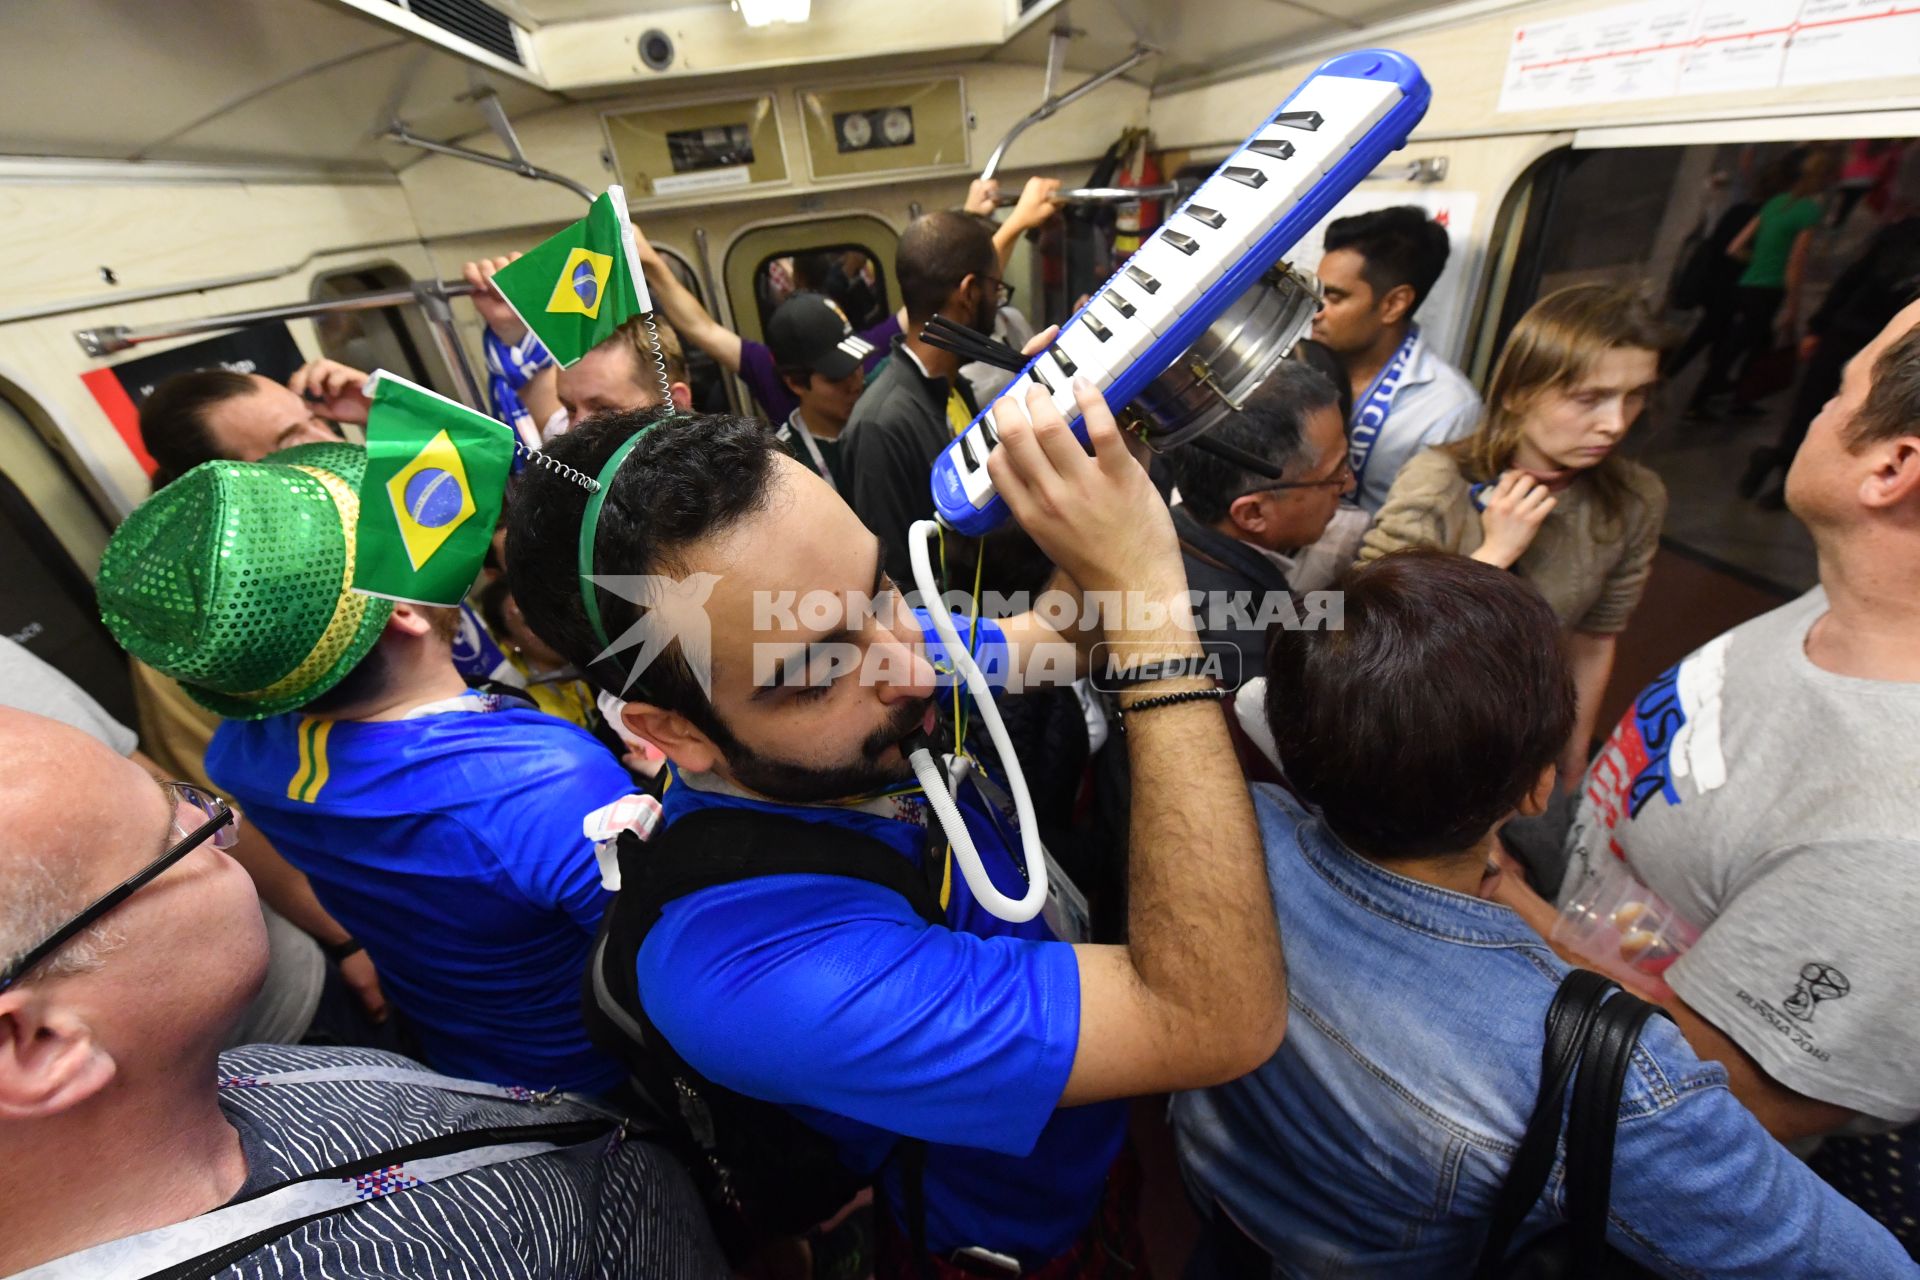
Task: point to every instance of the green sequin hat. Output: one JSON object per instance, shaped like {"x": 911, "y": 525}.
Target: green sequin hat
{"x": 235, "y": 578}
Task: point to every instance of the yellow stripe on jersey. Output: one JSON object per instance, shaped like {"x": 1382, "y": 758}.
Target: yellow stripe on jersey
{"x": 313, "y": 770}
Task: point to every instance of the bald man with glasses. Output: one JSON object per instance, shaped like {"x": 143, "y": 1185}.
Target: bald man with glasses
{"x": 130, "y": 1145}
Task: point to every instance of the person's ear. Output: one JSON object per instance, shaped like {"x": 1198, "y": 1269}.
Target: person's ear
{"x": 1535, "y": 802}
{"x": 682, "y": 397}
{"x": 1895, "y": 478}
{"x": 678, "y": 738}
{"x": 1397, "y": 304}
{"x": 409, "y": 620}
{"x": 1249, "y": 513}
{"x": 49, "y": 1059}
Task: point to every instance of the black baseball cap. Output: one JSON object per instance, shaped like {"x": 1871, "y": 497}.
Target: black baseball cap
{"x": 809, "y": 331}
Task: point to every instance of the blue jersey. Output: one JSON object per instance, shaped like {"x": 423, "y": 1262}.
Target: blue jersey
{"x": 450, "y": 845}
{"x": 831, "y": 997}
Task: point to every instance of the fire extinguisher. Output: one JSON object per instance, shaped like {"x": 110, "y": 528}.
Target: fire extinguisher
{"x": 1136, "y": 219}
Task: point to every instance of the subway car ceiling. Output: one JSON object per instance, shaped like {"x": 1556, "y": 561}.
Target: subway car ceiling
{"x": 239, "y": 155}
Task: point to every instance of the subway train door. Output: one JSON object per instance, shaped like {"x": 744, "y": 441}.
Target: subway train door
{"x": 51, "y": 535}
{"x": 849, "y": 258}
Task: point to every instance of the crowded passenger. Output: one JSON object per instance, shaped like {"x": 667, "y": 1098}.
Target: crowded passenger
{"x": 1763, "y": 788}
{"x": 1857, "y": 306}
{"x": 1376, "y": 1141}
{"x": 218, "y": 413}
{"x": 1541, "y": 487}
{"x": 753, "y": 362}
{"x": 946, "y": 266}
{"x": 1376, "y": 270}
{"x": 319, "y": 985}
{"x": 1239, "y": 529}
{"x": 1771, "y": 291}
{"x": 819, "y": 359}
{"x": 996, "y": 1044}
{"x": 621, "y": 375}
{"x": 441, "y": 826}
{"x": 130, "y": 1145}
{"x": 532, "y": 393}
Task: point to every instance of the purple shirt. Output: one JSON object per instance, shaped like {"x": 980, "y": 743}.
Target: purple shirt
{"x": 763, "y": 380}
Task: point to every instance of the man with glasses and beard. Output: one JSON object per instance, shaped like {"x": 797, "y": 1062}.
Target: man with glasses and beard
{"x": 130, "y": 1145}
{"x": 918, "y": 402}
{"x": 1001, "y": 1046}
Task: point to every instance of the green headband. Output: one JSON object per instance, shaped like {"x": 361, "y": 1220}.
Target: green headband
{"x": 590, "y": 532}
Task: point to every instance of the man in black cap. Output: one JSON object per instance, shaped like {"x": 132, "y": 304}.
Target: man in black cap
{"x": 820, "y": 360}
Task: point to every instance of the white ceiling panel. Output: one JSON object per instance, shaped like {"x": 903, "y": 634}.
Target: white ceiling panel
{"x": 108, "y": 77}
{"x": 1198, "y": 36}
{"x": 332, "y": 116}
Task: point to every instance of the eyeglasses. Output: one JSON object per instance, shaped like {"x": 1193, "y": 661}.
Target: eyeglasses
{"x": 1342, "y": 478}
{"x": 1003, "y": 292}
{"x": 220, "y": 825}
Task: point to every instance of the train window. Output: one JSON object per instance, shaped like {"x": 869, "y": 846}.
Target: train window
{"x": 705, "y": 378}
{"x": 846, "y": 273}
{"x": 396, "y": 338}
{"x": 849, "y": 257}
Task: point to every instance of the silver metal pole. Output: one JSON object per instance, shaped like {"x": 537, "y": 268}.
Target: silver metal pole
{"x": 399, "y": 132}
{"x": 108, "y": 339}
{"x": 703, "y": 262}
{"x": 1141, "y": 52}
{"x": 433, "y": 297}
{"x": 1110, "y": 195}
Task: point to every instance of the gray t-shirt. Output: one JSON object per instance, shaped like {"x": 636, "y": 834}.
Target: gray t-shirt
{"x": 29, "y": 684}
{"x": 1776, "y": 806}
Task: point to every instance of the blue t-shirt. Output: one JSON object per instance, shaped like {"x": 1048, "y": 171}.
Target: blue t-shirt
{"x": 449, "y": 845}
{"x": 830, "y": 996}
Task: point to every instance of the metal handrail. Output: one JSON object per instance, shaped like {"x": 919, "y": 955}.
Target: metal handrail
{"x": 398, "y": 132}
{"x": 431, "y": 296}
{"x": 110, "y": 339}
{"x": 1141, "y": 52}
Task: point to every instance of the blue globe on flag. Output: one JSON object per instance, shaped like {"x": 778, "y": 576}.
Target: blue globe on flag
{"x": 433, "y": 497}
{"x": 586, "y": 285}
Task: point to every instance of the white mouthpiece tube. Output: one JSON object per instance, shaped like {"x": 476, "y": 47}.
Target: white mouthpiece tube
{"x": 933, "y": 779}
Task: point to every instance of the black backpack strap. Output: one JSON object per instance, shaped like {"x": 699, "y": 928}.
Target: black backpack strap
{"x": 1592, "y": 1123}
{"x": 704, "y": 849}
{"x": 1575, "y": 1006}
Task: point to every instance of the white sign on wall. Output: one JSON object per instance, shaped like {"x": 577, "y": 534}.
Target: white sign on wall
{"x": 1668, "y": 48}
{"x": 1443, "y": 313}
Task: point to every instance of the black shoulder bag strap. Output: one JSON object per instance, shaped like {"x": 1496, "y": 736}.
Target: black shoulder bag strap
{"x": 1575, "y": 1006}
{"x": 723, "y": 845}
{"x": 1592, "y": 1123}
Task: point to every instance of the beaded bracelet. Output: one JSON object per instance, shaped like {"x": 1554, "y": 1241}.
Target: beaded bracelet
{"x": 1168, "y": 700}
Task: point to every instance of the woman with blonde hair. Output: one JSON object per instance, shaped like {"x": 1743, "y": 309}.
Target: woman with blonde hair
{"x": 1540, "y": 487}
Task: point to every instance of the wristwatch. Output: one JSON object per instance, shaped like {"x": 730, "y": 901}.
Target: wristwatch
{"x": 338, "y": 951}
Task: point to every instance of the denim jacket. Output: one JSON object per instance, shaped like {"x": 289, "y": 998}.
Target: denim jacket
{"x": 1375, "y": 1141}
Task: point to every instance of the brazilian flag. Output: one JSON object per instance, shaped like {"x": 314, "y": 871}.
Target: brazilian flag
{"x": 575, "y": 289}
{"x": 436, "y": 476}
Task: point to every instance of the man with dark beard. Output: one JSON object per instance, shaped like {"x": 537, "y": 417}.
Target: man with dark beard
{"x": 738, "y": 605}
{"x": 918, "y": 402}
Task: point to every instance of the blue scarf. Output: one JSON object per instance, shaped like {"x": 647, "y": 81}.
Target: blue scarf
{"x": 1370, "y": 414}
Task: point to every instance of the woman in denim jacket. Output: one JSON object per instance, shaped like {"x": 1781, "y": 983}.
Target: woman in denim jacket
{"x": 1375, "y": 1142}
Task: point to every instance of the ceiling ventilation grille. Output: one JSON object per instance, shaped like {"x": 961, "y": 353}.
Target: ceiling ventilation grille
{"x": 474, "y": 21}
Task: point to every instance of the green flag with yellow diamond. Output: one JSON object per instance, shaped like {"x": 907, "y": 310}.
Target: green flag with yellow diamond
{"x": 436, "y": 476}
{"x": 576, "y": 288}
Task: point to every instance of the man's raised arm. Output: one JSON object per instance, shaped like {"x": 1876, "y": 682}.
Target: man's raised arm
{"x": 1198, "y": 994}
{"x": 683, "y": 311}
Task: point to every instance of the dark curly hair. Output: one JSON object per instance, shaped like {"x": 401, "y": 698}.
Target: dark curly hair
{"x": 693, "y": 475}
